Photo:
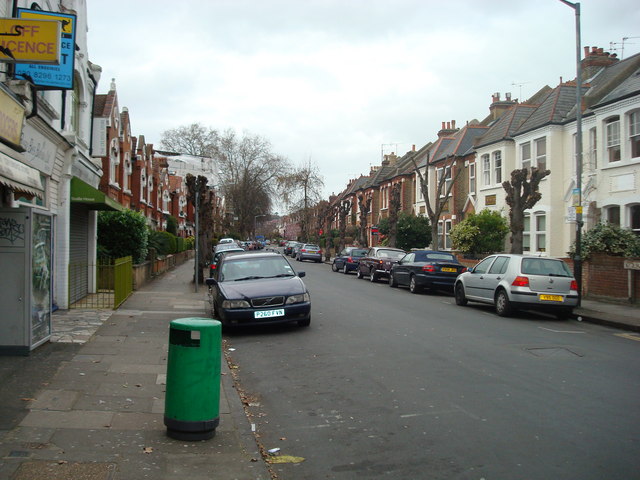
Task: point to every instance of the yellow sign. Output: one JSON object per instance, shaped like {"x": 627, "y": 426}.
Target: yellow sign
{"x": 490, "y": 200}
{"x": 11, "y": 118}
{"x": 30, "y": 41}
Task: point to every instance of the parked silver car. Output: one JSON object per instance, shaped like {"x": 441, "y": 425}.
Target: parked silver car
{"x": 309, "y": 251}
{"x": 512, "y": 281}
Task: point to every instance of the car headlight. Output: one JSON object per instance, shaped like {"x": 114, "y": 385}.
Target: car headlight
{"x": 235, "y": 304}
{"x": 304, "y": 297}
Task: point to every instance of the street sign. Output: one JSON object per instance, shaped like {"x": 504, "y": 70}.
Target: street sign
{"x": 54, "y": 77}
{"x": 29, "y": 41}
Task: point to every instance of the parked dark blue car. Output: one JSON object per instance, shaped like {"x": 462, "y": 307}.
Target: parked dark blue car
{"x": 348, "y": 259}
{"x": 426, "y": 269}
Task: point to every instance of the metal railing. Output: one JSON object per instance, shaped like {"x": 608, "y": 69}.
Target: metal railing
{"x": 107, "y": 284}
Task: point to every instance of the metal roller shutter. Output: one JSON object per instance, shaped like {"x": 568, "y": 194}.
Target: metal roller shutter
{"x": 78, "y": 253}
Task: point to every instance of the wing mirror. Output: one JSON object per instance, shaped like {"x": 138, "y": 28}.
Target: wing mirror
{"x": 302, "y": 274}
{"x": 210, "y": 281}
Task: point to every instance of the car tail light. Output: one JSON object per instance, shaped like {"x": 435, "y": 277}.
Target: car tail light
{"x": 574, "y": 285}
{"x": 213, "y": 266}
{"x": 320, "y": 251}
{"x": 428, "y": 268}
{"x": 349, "y": 260}
{"x": 303, "y": 250}
{"x": 464, "y": 269}
{"x": 520, "y": 282}
{"x": 380, "y": 262}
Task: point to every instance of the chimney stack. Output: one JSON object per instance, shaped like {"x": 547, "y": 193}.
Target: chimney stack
{"x": 595, "y": 60}
{"x": 448, "y": 128}
{"x": 498, "y": 107}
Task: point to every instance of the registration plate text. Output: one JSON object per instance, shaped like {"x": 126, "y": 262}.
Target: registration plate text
{"x": 269, "y": 313}
{"x": 448, "y": 269}
{"x": 552, "y": 298}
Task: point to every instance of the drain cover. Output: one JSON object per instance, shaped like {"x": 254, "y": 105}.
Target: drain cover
{"x": 51, "y": 470}
{"x": 557, "y": 352}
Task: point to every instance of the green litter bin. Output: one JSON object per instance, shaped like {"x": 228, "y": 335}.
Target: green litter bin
{"x": 192, "y": 399}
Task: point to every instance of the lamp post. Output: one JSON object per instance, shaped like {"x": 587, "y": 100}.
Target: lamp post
{"x": 577, "y": 262}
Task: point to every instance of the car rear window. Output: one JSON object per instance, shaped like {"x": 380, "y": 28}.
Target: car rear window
{"x": 423, "y": 257}
{"x": 545, "y": 266}
{"x": 390, "y": 254}
{"x": 309, "y": 246}
{"x": 358, "y": 253}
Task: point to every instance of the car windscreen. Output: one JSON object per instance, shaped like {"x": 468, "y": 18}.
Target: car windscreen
{"x": 545, "y": 266}
{"x": 255, "y": 268}
{"x": 394, "y": 255}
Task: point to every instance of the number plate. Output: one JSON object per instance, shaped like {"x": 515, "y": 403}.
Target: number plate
{"x": 448, "y": 269}
{"x": 269, "y": 313}
{"x": 552, "y": 298}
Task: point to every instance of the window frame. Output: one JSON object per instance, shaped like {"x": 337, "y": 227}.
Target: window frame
{"x": 634, "y": 133}
{"x": 612, "y": 139}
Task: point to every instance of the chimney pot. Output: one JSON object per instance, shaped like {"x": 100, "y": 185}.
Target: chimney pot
{"x": 453, "y": 124}
{"x": 508, "y": 96}
{"x": 586, "y": 51}
{"x": 413, "y": 147}
{"x": 443, "y": 125}
{"x": 448, "y": 125}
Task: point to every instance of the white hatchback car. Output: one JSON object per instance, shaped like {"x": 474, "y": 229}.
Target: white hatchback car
{"x": 511, "y": 282}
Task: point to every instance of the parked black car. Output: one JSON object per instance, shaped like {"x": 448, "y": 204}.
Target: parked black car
{"x": 288, "y": 248}
{"x": 348, "y": 259}
{"x": 258, "y": 289}
{"x": 426, "y": 269}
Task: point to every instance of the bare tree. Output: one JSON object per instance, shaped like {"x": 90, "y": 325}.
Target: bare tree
{"x": 249, "y": 171}
{"x": 300, "y": 191}
{"x": 194, "y": 139}
{"x": 434, "y": 212}
{"x": 344, "y": 208}
{"x": 394, "y": 208}
{"x": 365, "y": 207}
{"x": 521, "y": 195}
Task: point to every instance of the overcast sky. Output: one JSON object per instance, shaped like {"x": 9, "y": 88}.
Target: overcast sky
{"x": 339, "y": 82}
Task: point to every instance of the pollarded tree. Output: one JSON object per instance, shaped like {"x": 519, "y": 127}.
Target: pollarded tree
{"x": 442, "y": 188}
{"x": 365, "y": 207}
{"x": 206, "y": 198}
{"x": 344, "y": 208}
{"x": 394, "y": 207}
{"x": 521, "y": 194}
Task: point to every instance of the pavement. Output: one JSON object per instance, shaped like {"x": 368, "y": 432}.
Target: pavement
{"x": 96, "y": 410}
{"x": 100, "y": 415}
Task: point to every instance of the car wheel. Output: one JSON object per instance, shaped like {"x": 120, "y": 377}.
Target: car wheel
{"x": 503, "y": 305}
{"x": 305, "y": 322}
{"x": 345, "y": 270}
{"x": 334, "y": 267}
{"x": 392, "y": 280}
{"x": 413, "y": 286}
{"x": 373, "y": 277}
{"x": 359, "y": 274}
{"x": 461, "y": 298}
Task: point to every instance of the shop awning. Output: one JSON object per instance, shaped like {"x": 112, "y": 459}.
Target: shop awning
{"x": 82, "y": 192}
{"x": 20, "y": 177}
